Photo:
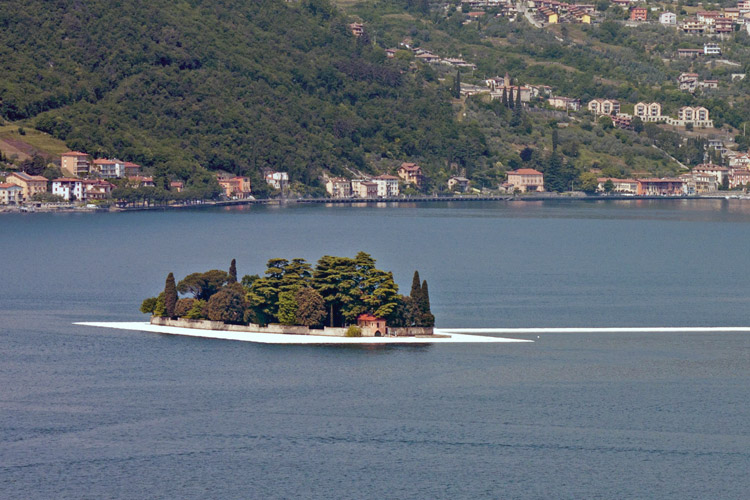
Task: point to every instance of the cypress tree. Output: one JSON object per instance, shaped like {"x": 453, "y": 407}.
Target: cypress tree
{"x": 428, "y": 319}
{"x": 424, "y": 303}
{"x": 416, "y": 288}
{"x": 505, "y": 97}
{"x": 233, "y": 271}
{"x": 457, "y": 85}
{"x": 510, "y": 98}
{"x": 518, "y": 97}
{"x": 170, "y": 296}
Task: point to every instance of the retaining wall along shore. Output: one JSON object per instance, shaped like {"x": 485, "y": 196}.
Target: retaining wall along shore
{"x": 204, "y": 324}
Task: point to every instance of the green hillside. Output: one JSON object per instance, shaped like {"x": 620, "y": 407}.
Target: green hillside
{"x": 237, "y": 85}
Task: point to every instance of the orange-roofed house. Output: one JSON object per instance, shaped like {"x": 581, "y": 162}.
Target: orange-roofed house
{"x": 526, "y": 179}
{"x": 638, "y": 13}
{"x": 97, "y": 189}
{"x": 411, "y": 173}
{"x": 30, "y": 184}
{"x": 130, "y": 168}
{"x": 235, "y": 187}
{"x": 177, "y": 186}
{"x": 109, "y": 169}
{"x": 372, "y": 326}
{"x": 75, "y": 163}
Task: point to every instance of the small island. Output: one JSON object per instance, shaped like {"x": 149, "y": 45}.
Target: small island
{"x": 339, "y": 297}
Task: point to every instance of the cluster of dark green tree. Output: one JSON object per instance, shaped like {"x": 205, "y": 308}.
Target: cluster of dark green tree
{"x": 237, "y": 86}
{"x": 334, "y": 293}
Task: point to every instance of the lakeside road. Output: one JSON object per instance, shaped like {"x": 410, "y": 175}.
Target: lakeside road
{"x": 56, "y": 208}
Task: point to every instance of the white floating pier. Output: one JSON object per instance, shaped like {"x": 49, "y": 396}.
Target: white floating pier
{"x": 276, "y": 338}
{"x": 615, "y": 329}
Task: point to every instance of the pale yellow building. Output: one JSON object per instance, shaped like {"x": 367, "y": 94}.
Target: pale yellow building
{"x": 10, "y": 194}
{"x": 31, "y": 184}
{"x": 75, "y": 163}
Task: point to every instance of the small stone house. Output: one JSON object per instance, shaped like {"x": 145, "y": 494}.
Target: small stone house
{"x": 372, "y": 326}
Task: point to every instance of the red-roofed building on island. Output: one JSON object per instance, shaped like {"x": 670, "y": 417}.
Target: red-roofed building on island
{"x": 525, "y": 180}
{"x": 372, "y": 326}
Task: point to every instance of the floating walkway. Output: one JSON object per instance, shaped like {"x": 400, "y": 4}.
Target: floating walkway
{"x": 278, "y": 338}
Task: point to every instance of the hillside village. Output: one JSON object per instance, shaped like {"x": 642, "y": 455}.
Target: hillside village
{"x": 534, "y": 130}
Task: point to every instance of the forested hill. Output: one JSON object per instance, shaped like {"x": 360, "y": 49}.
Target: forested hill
{"x": 233, "y": 85}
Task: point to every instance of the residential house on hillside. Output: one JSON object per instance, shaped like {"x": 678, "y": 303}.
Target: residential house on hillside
{"x": 411, "y": 173}
{"x": 566, "y": 103}
{"x": 141, "y": 181}
{"x": 177, "y": 186}
{"x": 30, "y": 184}
{"x": 696, "y": 116}
{"x": 75, "y": 163}
{"x": 458, "y": 183}
{"x": 279, "y": 180}
{"x": 109, "y": 169}
{"x": 338, "y": 187}
{"x": 10, "y": 194}
{"x": 130, "y": 168}
{"x": 689, "y": 53}
{"x": 235, "y": 187}
{"x": 668, "y": 18}
{"x": 97, "y": 189}
{"x": 526, "y": 179}
{"x": 357, "y": 29}
{"x": 364, "y": 188}
{"x": 711, "y": 49}
{"x": 604, "y": 106}
{"x": 70, "y": 189}
{"x": 387, "y": 186}
{"x": 638, "y": 14}
{"x": 648, "y": 112}
{"x": 716, "y": 170}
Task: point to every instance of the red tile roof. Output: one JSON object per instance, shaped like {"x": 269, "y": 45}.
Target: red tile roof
{"x": 525, "y": 171}
{"x": 367, "y": 317}
{"x": 74, "y": 153}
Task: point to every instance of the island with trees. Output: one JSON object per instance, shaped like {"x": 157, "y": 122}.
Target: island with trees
{"x": 340, "y": 296}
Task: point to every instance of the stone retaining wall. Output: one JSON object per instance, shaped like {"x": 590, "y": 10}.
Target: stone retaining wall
{"x": 204, "y": 324}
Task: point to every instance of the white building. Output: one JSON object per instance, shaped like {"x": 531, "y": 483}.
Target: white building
{"x": 648, "y": 112}
{"x": 604, "y": 106}
{"x": 279, "y": 180}
{"x": 711, "y": 49}
{"x": 387, "y": 186}
{"x": 668, "y": 18}
{"x": 109, "y": 169}
{"x": 10, "y": 194}
{"x": 69, "y": 189}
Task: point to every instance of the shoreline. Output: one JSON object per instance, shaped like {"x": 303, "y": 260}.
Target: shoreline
{"x": 280, "y": 338}
{"x": 355, "y": 201}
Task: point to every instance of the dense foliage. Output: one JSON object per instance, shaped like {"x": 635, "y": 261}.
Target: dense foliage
{"x": 239, "y": 86}
{"x": 334, "y": 293}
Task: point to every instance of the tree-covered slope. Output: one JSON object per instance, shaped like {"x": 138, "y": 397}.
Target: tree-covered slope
{"x": 234, "y": 85}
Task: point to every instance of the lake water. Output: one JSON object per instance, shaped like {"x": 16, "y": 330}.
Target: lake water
{"x": 92, "y": 413}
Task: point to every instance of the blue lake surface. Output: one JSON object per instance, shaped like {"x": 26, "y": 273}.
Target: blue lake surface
{"x": 94, "y": 413}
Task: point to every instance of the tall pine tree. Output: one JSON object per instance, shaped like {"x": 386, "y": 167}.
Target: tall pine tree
{"x": 456, "y": 90}
{"x": 170, "y": 296}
